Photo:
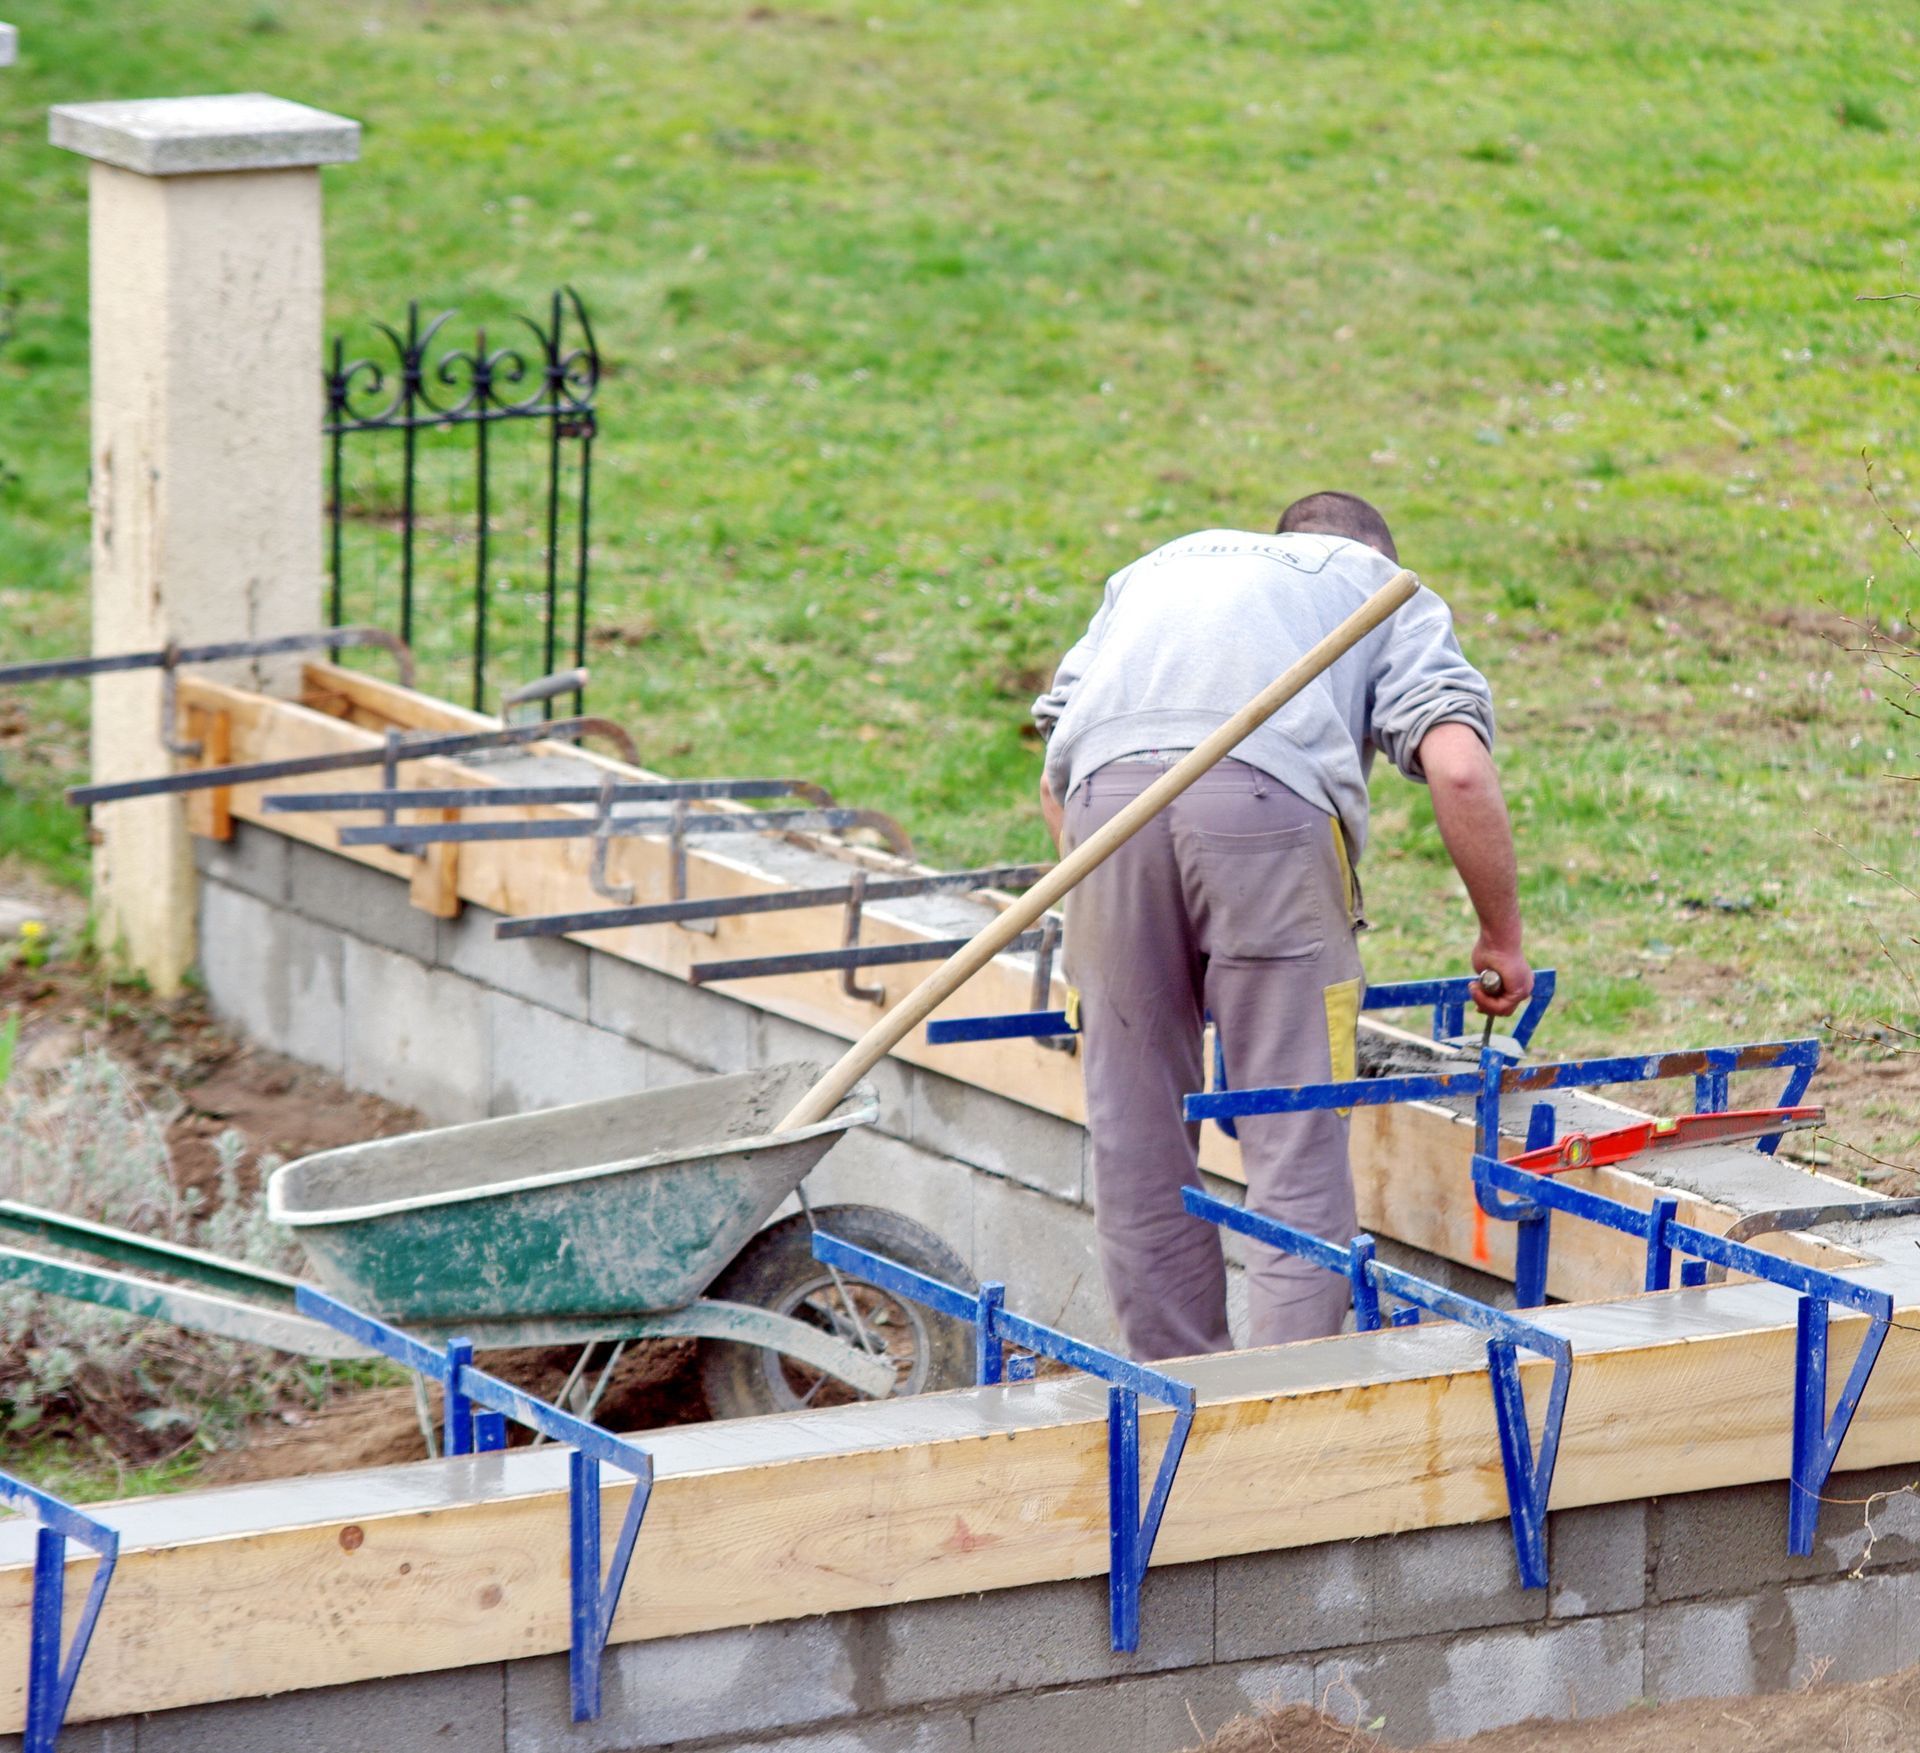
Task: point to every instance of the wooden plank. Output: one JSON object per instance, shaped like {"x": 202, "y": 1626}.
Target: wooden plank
{"x": 349, "y": 1577}
{"x": 435, "y": 885}
{"x": 210, "y": 813}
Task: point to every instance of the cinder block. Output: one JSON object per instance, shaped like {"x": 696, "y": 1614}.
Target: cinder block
{"x": 254, "y": 860}
{"x": 702, "y": 1027}
{"x": 1018, "y": 1640}
{"x": 1775, "y": 1639}
{"x": 776, "y": 1038}
{"x": 1287, "y": 1602}
{"x": 118, "y": 1736}
{"x": 868, "y": 1168}
{"x": 358, "y": 900}
{"x": 548, "y": 971}
{"x": 278, "y": 977}
{"x": 1597, "y": 1559}
{"x": 1045, "y": 1252}
{"x": 663, "y": 1070}
{"x": 1161, "y": 1711}
{"x": 945, "y": 1732}
{"x": 1448, "y": 1688}
{"x": 1729, "y": 1542}
{"x": 544, "y": 1060}
{"x": 416, "y": 1035}
{"x": 735, "y": 1683}
{"x": 419, "y": 1713}
{"x": 1004, "y": 1137}
{"x": 1448, "y": 1579}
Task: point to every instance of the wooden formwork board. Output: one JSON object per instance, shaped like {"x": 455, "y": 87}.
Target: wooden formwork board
{"x": 347, "y": 1577}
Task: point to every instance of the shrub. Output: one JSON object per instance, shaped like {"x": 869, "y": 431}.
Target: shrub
{"x": 86, "y": 1144}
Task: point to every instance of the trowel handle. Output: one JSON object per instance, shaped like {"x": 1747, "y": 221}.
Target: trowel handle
{"x": 937, "y": 987}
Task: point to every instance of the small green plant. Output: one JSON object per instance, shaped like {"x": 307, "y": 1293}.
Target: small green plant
{"x": 1858, "y": 112}
{"x": 9, "y": 1040}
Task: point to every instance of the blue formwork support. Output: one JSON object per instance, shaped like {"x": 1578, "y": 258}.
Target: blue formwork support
{"x": 1448, "y": 997}
{"x": 1529, "y": 1476}
{"x": 477, "y": 1409}
{"x": 52, "y": 1672}
{"x": 1817, "y": 1435}
{"x": 1131, "y": 1529}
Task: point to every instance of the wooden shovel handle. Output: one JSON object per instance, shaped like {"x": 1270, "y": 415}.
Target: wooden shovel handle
{"x": 891, "y": 1029}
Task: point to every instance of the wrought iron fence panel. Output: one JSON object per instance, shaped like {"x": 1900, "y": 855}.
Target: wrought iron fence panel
{"x": 442, "y": 524}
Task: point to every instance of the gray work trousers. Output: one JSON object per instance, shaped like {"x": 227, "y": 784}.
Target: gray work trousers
{"x": 1235, "y": 900}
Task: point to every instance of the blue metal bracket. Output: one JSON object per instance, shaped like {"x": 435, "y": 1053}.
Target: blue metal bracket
{"x": 1131, "y": 1530}
{"x": 1529, "y": 1476}
{"x": 477, "y": 1407}
{"x": 1449, "y": 998}
{"x": 50, "y": 1674}
{"x": 1816, "y": 1435}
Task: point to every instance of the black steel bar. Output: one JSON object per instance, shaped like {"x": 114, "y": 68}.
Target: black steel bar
{"x": 341, "y": 761}
{"x": 475, "y": 797}
{"x": 173, "y": 657}
{"x": 1010, "y": 876}
{"x": 409, "y": 396}
{"x": 336, "y": 511}
{"x": 553, "y": 506}
{"x": 483, "y": 385}
{"x": 588, "y": 430}
{"x": 624, "y": 827}
{"x": 875, "y": 955}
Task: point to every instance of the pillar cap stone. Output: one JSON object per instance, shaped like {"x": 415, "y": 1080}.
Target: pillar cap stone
{"x": 182, "y": 136}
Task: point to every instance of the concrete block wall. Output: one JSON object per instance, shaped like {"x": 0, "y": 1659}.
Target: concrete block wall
{"x": 1426, "y": 1634}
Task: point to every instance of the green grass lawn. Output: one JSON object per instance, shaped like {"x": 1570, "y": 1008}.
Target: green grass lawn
{"x": 923, "y": 319}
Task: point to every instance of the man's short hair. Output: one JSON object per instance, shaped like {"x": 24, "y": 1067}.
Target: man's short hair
{"x": 1340, "y": 514}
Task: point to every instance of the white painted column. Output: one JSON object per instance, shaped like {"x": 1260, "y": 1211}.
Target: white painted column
{"x": 206, "y": 287}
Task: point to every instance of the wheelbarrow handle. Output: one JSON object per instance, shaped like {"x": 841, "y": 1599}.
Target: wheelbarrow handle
{"x": 937, "y": 987}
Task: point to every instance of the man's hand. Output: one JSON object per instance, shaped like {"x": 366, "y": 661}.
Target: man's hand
{"x": 1051, "y": 812}
{"x": 1516, "y": 977}
{"x": 1472, "y": 815}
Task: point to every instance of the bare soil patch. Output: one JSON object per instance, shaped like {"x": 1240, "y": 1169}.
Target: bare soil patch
{"x": 1873, "y": 1716}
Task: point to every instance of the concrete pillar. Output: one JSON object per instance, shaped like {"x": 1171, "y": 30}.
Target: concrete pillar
{"x": 204, "y": 234}
{"x": 9, "y": 45}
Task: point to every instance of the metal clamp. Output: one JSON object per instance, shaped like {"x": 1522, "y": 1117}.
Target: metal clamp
{"x": 850, "y": 939}
{"x": 470, "y": 1431}
{"x": 51, "y": 1674}
{"x": 1131, "y": 1529}
{"x": 603, "y": 886}
{"x": 1529, "y": 1476}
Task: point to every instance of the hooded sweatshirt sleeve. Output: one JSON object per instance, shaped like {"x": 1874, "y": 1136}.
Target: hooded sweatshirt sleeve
{"x": 1421, "y": 678}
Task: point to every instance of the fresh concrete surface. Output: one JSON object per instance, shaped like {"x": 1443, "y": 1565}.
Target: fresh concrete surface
{"x": 178, "y": 136}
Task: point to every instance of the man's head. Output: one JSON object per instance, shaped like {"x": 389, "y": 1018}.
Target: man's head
{"x": 1340, "y": 514}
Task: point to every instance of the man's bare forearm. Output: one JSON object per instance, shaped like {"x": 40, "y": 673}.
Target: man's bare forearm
{"x": 1472, "y": 815}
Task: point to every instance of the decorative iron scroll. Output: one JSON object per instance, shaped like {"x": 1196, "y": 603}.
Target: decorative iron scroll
{"x": 424, "y": 388}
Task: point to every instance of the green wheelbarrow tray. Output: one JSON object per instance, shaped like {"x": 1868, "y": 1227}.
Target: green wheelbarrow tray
{"x": 557, "y": 1219}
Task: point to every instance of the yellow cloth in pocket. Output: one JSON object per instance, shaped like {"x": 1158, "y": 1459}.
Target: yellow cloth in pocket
{"x": 1342, "y": 1001}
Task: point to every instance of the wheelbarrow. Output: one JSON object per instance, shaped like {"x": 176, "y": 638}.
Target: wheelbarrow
{"x": 548, "y": 1229}
{"x": 542, "y": 1228}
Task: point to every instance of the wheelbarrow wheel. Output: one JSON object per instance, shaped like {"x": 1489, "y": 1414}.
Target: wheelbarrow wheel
{"x": 777, "y": 1270}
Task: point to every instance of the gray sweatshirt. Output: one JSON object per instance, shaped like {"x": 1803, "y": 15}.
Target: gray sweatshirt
{"x": 1188, "y": 634}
